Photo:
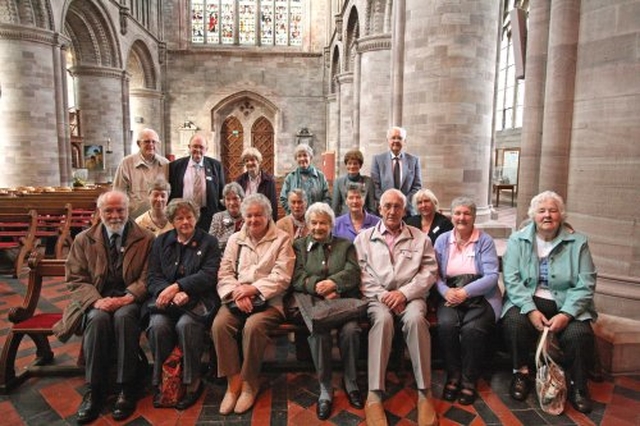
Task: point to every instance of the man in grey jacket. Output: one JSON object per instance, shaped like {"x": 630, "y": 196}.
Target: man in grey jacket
{"x": 398, "y": 268}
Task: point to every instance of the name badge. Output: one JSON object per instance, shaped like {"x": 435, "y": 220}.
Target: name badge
{"x": 209, "y": 178}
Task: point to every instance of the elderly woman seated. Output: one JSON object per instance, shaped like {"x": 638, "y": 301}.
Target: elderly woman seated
{"x": 327, "y": 267}
{"x": 228, "y": 221}
{"x": 155, "y": 219}
{"x": 357, "y": 219}
{"x": 183, "y": 269}
{"x": 294, "y": 224}
{"x": 428, "y": 219}
{"x": 255, "y": 272}
{"x": 471, "y": 300}
{"x": 550, "y": 281}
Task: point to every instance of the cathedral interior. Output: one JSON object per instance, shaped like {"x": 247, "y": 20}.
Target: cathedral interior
{"x": 509, "y": 97}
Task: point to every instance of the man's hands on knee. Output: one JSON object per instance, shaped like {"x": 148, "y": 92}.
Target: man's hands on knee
{"x": 112, "y": 304}
{"x": 395, "y": 300}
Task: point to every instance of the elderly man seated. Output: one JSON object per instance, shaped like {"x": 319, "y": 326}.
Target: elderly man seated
{"x": 106, "y": 274}
{"x": 398, "y": 268}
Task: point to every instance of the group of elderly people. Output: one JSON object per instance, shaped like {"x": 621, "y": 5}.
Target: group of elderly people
{"x": 233, "y": 280}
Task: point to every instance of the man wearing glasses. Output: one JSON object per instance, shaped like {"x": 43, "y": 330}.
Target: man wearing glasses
{"x": 136, "y": 171}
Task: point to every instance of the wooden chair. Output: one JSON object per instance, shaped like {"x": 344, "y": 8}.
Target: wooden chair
{"x": 18, "y": 231}
{"x": 38, "y": 326}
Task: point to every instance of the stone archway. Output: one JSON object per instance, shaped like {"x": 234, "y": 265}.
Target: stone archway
{"x": 246, "y": 110}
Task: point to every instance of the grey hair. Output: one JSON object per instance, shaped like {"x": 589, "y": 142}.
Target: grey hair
{"x": 403, "y": 132}
{"x": 233, "y": 187}
{"x": 181, "y": 204}
{"x": 394, "y": 191}
{"x": 357, "y": 187}
{"x": 298, "y": 192}
{"x": 466, "y": 202}
{"x": 103, "y": 198}
{"x": 321, "y": 209}
{"x": 303, "y": 147}
{"x": 160, "y": 184}
{"x": 546, "y": 196}
{"x": 425, "y": 193}
{"x": 258, "y": 199}
{"x": 251, "y": 151}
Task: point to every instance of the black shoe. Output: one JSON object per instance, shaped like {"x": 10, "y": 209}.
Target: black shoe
{"x": 90, "y": 407}
{"x": 157, "y": 396}
{"x": 520, "y": 386}
{"x": 450, "y": 391}
{"x": 124, "y": 407}
{"x": 355, "y": 399}
{"x": 580, "y": 400}
{"x": 467, "y": 396}
{"x": 323, "y": 409}
{"x": 190, "y": 398}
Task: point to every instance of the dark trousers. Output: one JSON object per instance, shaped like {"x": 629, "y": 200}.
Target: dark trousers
{"x": 576, "y": 341}
{"x": 107, "y": 333}
{"x": 165, "y": 332}
{"x": 463, "y": 332}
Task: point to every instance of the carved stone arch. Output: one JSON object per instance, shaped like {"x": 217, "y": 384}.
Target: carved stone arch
{"x": 353, "y": 34}
{"x": 33, "y": 13}
{"x": 141, "y": 67}
{"x": 92, "y": 35}
{"x": 247, "y": 108}
{"x": 335, "y": 67}
{"x": 377, "y": 11}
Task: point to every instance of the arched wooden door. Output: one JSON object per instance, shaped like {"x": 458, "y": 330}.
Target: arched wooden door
{"x": 231, "y": 145}
{"x": 262, "y": 140}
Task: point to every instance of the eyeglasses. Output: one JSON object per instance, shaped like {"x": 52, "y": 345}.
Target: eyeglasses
{"x": 148, "y": 142}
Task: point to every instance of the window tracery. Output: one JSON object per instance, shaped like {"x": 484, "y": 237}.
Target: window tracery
{"x": 246, "y": 22}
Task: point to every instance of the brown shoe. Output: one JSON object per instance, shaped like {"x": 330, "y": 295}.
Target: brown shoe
{"x": 374, "y": 414}
{"x": 427, "y": 413}
{"x": 246, "y": 399}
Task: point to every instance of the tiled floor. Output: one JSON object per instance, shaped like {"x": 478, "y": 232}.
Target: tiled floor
{"x": 289, "y": 397}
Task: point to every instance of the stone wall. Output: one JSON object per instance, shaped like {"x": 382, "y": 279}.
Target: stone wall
{"x": 197, "y": 81}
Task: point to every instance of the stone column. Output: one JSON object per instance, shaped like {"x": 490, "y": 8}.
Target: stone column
{"x": 604, "y": 174}
{"x": 28, "y": 107}
{"x": 535, "y": 72}
{"x": 559, "y": 92}
{"x": 397, "y": 62}
{"x": 345, "y": 90}
{"x": 146, "y": 112}
{"x": 448, "y": 95}
{"x": 100, "y": 98}
{"x": 375, "y": 55}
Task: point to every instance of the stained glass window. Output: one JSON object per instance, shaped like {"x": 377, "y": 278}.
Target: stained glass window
{"x": 247, "y": 22}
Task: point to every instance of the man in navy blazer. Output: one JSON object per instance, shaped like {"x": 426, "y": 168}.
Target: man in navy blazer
{"x": 184, "y": 173}
{"x": 410, "y": 179}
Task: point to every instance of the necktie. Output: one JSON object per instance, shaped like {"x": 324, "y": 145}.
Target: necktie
{"x": 198, "y": 186}
{"x": 113, "y": 250}
{"x": 396, "y": 172}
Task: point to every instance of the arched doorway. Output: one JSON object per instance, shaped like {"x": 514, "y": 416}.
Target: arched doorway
{"x": 262, "y": 140}
{"x": 231, "y": 146}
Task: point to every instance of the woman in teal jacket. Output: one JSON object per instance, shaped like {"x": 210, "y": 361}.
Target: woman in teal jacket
{"x": 550, "y": 280}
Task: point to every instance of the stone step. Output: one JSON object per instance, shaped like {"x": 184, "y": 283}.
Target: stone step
{"x": 495, "y": 229}
{"x": 618, "y": 342}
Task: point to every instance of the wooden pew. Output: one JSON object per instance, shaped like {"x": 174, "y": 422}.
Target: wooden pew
{"x": 38, "y": 326}
{"x": 18, "y": 231}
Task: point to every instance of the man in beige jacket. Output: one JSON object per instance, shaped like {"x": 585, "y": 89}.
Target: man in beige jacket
{"x": 398, "y": 268}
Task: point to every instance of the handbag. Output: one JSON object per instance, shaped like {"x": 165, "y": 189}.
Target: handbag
{"x": 259, "y": 305}
{"x": 321, "y": 314}
{"x": 551, "y": 385}
{"x": 172, "y": 390}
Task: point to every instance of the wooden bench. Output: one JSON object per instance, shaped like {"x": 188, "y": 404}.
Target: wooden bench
{"x": 37, "y": 325}
{"x": 18, "y": 232}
